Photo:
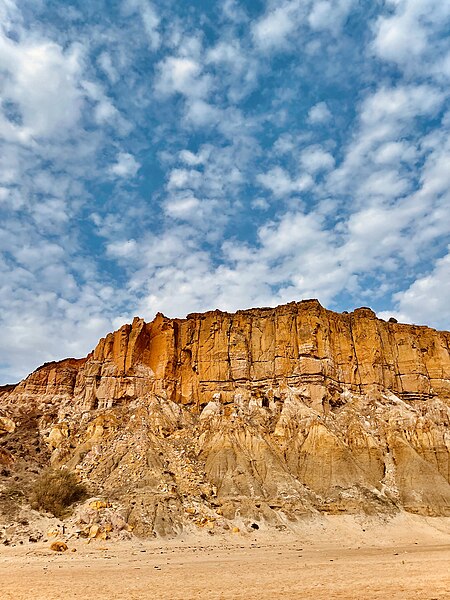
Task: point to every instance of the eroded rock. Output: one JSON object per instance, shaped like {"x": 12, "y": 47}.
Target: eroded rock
{"x": 265, "y": 415}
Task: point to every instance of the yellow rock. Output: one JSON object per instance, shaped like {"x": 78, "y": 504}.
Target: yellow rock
{"x": 52, "y": 533}
{"x": 7, "y": 425}
{"x": 99, "y": 504}
{"x": 94, "y": 531}
{"x": 57, "y": 435}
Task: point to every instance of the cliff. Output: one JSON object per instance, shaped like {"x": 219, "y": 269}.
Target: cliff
{"x": 266, "y": 414}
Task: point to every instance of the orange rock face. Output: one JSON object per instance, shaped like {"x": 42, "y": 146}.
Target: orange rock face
{"x": 297, "y": 405}
{"x": 302, "y": 343}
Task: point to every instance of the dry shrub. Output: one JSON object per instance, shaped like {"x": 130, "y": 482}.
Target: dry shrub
{"x": 55, "y": 490}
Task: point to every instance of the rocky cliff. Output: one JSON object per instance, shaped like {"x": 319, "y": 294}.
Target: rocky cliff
{"x": 261, "y": 417}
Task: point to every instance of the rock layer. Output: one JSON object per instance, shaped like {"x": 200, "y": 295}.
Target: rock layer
{"x": 271, "y": 413}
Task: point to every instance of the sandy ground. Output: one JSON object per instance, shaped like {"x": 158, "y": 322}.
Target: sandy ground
{"x": 340, "y": 557}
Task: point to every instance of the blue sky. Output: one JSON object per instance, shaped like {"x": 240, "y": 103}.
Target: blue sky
{"x": 184, "y": 156}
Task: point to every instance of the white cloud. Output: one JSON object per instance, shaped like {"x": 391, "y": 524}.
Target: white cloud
{"x": 52, "y": 141}
{"x": 387, "y": 124}
{"x": 149, "y": 17}
{"x": 122, "y": 249}
{"x": 329, "y": 15}
{"x": 185, "y": 206}
{"x": 284, "y": 144}
{"x": 413, "y": 34}
{"x": 260, "y": 204}
{"x": 435, "y": 174}
{"x": 398, "y": 105}
{"x": 126, "y": 165}
{"x": 314, "y": 159}
{"x": 400, "y": 37}
{"x": 237, "y": 68}
{"x": 9, "y": 13}
{"x": 273, "y": 29}
{"x": 233, "y": 11}
{"x": 50, "y": 328}
{"x": 441, "y": 68}
{"x": 394, "y": 152}
{"x": 192, "y": 159}
{"x": 184, "y": 75}
{"x": 184, "y": 178}
{"x": 106, "y": 64}
{"x": 279, "y": 182}
{"x": 282, "y": 21}
{"x": 104, "y": 111}
{"x": 47, "y": 310}
{"x": 319, "y": 113}
{"x": 181, "y": 75}
{"x": 292, "y": 234}
{"x": 425, "y": 302}
{"x": 226, "y": 52}
{"x": 204, "y": 195}
{"x": 46, "y": 110}
{"x": 201, "y": 113}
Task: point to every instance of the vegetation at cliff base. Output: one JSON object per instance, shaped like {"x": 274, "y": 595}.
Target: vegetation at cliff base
{"x": 55, "y": 490}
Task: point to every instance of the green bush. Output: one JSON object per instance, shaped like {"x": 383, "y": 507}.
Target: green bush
{"x": 55, "y": 490}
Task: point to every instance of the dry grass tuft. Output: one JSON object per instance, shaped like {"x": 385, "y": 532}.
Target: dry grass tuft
{"x": 55, "y": 490}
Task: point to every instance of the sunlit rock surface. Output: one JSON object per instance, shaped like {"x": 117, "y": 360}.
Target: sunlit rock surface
{"x": 263, "y": 416}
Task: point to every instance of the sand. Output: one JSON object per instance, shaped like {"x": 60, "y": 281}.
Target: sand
{"x": 404, "y": 559}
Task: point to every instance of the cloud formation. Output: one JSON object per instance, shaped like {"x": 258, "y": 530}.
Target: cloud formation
{"x": 176, "y": 157}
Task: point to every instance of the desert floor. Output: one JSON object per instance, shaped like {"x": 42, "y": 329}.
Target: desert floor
{"x": 406, "y": 558}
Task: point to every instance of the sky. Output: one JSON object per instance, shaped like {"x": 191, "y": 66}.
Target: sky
{"x": 175, "y": 157}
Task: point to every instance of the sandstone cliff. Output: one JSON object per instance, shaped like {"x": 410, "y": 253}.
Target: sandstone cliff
{"x": 261, "y": 416}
